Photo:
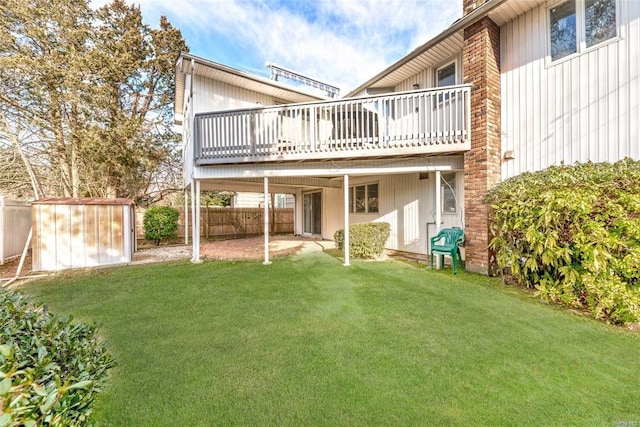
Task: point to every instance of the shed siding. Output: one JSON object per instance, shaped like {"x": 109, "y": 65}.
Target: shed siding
{"x": 77, "y": 236}
{"x": 581, "y": 109}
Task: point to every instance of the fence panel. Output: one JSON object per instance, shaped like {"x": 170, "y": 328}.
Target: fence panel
{"x": 15, "y": 223}
{"x": 229, "y": 222}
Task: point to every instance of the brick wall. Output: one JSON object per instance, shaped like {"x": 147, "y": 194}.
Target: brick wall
{"x": 481, "y": 69}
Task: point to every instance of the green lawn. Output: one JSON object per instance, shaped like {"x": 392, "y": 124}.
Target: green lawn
{"x": 306, "y": 341}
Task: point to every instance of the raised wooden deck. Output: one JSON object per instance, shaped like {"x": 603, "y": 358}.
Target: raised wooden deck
{"x": 428, "y": 121}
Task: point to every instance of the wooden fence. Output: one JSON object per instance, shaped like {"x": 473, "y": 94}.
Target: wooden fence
{"x": 229, "y": 222}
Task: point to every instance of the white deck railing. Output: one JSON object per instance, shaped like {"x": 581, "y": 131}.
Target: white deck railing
{"x": 416, "y": 122}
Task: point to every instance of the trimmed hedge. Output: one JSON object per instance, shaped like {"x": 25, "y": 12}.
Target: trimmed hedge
{"x": 573, "y": 233}
{"x": 51, "y": 368}
{"x": 160, "y": 223}
{"x": 366, "y": 240}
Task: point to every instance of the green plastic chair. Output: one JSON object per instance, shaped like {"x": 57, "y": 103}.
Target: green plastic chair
{"x": 447, "y": 242}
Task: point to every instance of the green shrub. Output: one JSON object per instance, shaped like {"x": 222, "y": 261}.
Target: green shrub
{"x": 50, "y": 367}
{"x": 573, "y": 232}
{"x": 366, "y": 240}
{"x": 160, "y": 223}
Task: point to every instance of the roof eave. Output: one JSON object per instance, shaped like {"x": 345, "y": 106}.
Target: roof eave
{"x": 249, "y": 76}
{"x": 458, "y": 25}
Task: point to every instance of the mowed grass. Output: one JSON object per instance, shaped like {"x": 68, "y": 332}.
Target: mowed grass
{"x": 306, "y": 341}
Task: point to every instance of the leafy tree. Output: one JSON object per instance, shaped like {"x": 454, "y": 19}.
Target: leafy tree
{"x": 85, "y": 99}
{"x": 216, "y": 198}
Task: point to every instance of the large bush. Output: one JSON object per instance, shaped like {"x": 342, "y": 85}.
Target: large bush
{"x": 573, "y": 232}
{"x": 366, "y": 240}
{"x": 160, "y": 223}
{"x": 50, "y": 367}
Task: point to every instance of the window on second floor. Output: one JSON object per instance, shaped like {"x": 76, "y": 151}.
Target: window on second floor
{"x": 576, "y": 25}
{"x": 446, "y": 76}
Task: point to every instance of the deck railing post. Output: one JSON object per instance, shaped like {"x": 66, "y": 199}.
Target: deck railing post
{"x": 313, "y": 119}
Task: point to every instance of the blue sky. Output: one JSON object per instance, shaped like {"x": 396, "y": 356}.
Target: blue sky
{"x": 340, "y": 42}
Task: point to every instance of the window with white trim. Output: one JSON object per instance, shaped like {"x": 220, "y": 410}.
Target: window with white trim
{"x": 363, "y": 198}
{"x": 577, "y": 25}
{"x": 448, "y": 193}
{"x": 446, "y": 75}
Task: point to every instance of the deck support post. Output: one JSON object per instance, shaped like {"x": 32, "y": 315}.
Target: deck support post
{"x": 195, "y": 203}
{"x": 186, "y": 217}
{"x": 438, "y": 183}
{"x": 266, "y": 221}
{"x": 346, "y": 220}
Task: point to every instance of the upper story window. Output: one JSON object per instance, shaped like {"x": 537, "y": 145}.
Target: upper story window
{"x": 600, "y": 22}
{"x": 576, "y": 25}
{"x": 446, "y": 75}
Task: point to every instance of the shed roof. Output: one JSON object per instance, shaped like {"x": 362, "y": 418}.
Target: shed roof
{"x": 82, "y": 201}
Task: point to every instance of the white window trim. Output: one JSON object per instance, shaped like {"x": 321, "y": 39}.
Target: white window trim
{"x": 581, "y": 43}
{"x": 452, "y": 60}
{"x": 352, "y": 191}
{"x": 456, "y": 179}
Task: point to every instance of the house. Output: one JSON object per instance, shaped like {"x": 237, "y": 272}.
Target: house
{"x": 512, "y": 86}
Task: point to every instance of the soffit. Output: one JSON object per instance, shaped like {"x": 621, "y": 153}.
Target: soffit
{"x": 437, "y": 54}
{"x": 447, "y": 43}
{"x": 506, "y": 11}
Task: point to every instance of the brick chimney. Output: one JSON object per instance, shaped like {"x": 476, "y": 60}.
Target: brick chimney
{"x": 469, "y": 6}
{"x": 481, "y": 69}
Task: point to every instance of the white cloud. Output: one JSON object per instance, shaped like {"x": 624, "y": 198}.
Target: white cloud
{"x": 342, "y": 42}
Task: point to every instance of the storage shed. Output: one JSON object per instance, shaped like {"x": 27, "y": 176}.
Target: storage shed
{"x": 82, "y": 232}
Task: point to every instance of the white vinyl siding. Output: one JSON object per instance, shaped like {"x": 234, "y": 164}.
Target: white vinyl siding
{"x": 210, "y": 95}
{"x": 581, "y": 109}
{"x": 407, "y": 203}
{"x": 423, "y": 79}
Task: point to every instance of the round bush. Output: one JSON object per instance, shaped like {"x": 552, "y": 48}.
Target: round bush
{"x": 573, "y": 233}
{"x": 366, "y": 240}
{"x": 160, "y": 223}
